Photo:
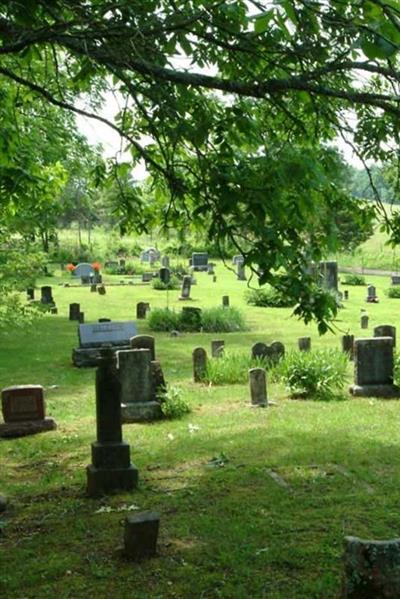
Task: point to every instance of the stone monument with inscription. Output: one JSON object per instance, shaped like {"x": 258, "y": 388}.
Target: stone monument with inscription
{"x": 94, "y": 336}
{"x": 24, "y": 412}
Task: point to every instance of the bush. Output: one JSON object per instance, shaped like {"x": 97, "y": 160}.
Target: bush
{"x": 222, "y": 320}
{"x": 393, "y": 291}
{"x": 318, "y": 374}
{"x": 172, "y": 404}
{"x": 172, "y": 284}
{"x": 353, "y": 279}
{"x": 232, "y": 368}
{"x": 269, "y": 297}
{"x": 163, "y": 319}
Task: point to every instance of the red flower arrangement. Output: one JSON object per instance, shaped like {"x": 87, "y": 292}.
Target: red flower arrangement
{"x": 70, "y": 267}
{"x": 96, "y": 266}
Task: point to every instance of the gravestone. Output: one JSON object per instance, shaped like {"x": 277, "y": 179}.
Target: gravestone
{"x": 151, "y": 255}
{"x": 138, "y": 388}
{"x": 147, "y": 277}
{"x": 101, "y": 290}
{"x": 186, "y": 285}
{"x": 348, "y": 345}
{"x": 199, "y": 357}
{"x": 81, "y": 317}
{"x": 277, "y": 351}
{"x": 140, "y": 535}
{"x": 258, "y": 387}
{"x": 240, "y": 271}
{"x": 371, "y": 569}
{"x": 191, "y": 318}
{"x": 84, "y": 269}
{"x": 237, "y": 259}
{"x": 141, "y": 310}
{"x": 395, "y": 279}
{"x": 53, "y": 310}
{"x": 93, "y": 288}
{"x": 85, "y": 280}
{"x": 111, "y": 468}
{"x": 165, "y": 275}
{"x": 373, "y": 368}
{"x": 329, "y": 272}
{"x": 122, "y": 262}
{"x": 24, "y": 413}
{"x": 46, "y": 295}
{"x": 144, "y": 342}
{"x": 225, "y": 301}
{"x": 346, "y": 294}
{"x": 93, "y": 336}
{"x": 165, "y": 261}
{"x": 304, "y": 343}
{"x": 210, "y": 269}
{"x": 260, "y": 350}
{"x": 371, "y": 295}
{"x": 214, "y": 278}
{"x": 111, "y": 264}
{"x": 74, "y": 310}
{"x": 217, "y": 348}
{"x": 30, "y": 293}
{"x": 200, "y": 261}
{"x": 386, "y": 330}
{"x": 104, "y": 320}
{"x": 364, "y": 321}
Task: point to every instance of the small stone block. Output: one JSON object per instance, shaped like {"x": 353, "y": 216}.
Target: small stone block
{"x": 23, "y": 402}
{"x": 140, "y": 537}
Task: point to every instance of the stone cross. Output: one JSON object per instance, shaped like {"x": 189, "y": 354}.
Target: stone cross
{"x": 199, "y": 357}
{"x": 186, "y": 285}
{"x": 140, "y": 535}
{"x": 371, "y": 569}
{"x": 217, "y": 348}
{"x": 304, "y": 343}
{"x": 111, "y": 467}
{"x": 258, "y": 387}
{"x": 386, "y": 330}
{"x": 373, "y": 368}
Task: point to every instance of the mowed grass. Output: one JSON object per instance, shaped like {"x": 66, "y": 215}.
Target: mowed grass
{"x": 253, "y": 503}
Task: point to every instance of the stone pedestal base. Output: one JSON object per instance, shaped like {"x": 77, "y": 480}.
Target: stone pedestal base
{"x": 101, "y": 481}
{"x": 30, "y": 427}
{"x": 89, "y": 357}
{"x": 388, "y": 391}
{"x": 141, "y": 411}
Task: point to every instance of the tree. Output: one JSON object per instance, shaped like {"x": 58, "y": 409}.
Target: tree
{"x": 231, "y": 104}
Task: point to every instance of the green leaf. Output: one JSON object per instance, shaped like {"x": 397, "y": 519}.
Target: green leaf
{"x": 262, "y": 22}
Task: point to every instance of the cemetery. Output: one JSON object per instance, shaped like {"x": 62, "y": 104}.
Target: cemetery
{"x": 199, "y": 299}
{"x": 285, "y": 478}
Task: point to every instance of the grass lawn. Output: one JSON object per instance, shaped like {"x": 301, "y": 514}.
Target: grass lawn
{"x": 266, "y": 522}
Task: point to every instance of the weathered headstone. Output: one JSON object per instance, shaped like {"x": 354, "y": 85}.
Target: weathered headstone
{"x": 237, "y": 259}
{"x": 46, "y": 295}
{"x": 84, "y": 269}
{"x": 371, "y": 569}
{"x": 140, "y": 535}
{"x": 395, "y": 279}
{"x": 165, "y": 261}
{"x": 165, "y": 275}
{"x": 225, "y": 301}
{"x": 348, "y": 345}
{"x": 93, "y": 336}
{"x": 122, "y": 262}
{"x": 304, "y": 343}
{"x": 386, "y": 330}
{"x": 364, "y": 321}
{"x": 214, "y": 278}
{"x": 210, "y": 268}
{"x": 200, "y": 261}
{"x": 138, "y": 392}
{"x": 329, "y": 272}
{"x": 277, "y": 351}
{"x": 30, "y": 293}
{"x": 81, "y": 317}
{"x": 141, "y": 310}
{"x": 144, "y": 342}
{"x": 260, "y": 350}
{"x": 346, "y": 294}
{"x": 24, "y": 413}
{"x": 186, "y": 285}
{"x": 101, "y": 290}
{"x": 199, "y": 356}
{"x": 371, "y": 295}
{"x": 217, "y": 348}
{"x": 93, "y": 288}
{"x": 53, "y": 310}
{"x": 111, "y": 467}
{"x": 258, "y": 387}
{"x": 74, "y": 310}
{"x": 147, "y": 277}
{"x": 373, "y": 368}
{"x": 240, "y": 271}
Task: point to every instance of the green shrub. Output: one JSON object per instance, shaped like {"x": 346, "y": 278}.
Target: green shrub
{"x": 216, "y": 320}
{"x": 232, "y": 368}
{"x": 353, "y": 279}
{"x": 393, "y": 291}
{"x": 222, "y": 320}
{"x": 172, "y": 403}
{"x": 268, "y": 297}
{"x": 318, "y": 374}
{"x": 163, "y": 319}
{"x": 172, "y": 284}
